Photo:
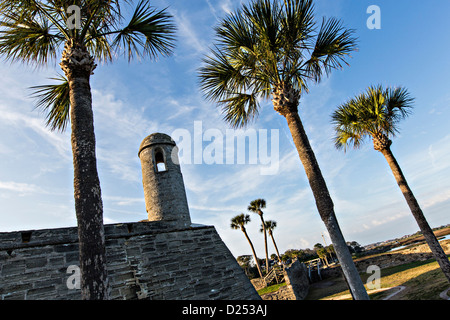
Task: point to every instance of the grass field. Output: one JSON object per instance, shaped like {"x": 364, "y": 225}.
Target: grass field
{"x": 423, "y": 281}
{"x": 270, "y": 289}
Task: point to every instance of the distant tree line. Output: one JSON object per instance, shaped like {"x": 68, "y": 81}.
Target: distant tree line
{"x": 325, "y": 253}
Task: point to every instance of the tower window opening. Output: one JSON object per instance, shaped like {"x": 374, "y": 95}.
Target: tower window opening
{"x": 160, "y": 164}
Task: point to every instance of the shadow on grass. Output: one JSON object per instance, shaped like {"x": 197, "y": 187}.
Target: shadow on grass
{"x": 425, "y": 286}
{"x": 423, "y": 280}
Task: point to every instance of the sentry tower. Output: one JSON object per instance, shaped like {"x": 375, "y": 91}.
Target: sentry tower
{"x": 165, "y": 195}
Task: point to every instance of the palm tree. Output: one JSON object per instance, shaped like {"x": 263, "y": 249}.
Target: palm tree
{"x": 239, "y": 222}
{"x": 256, "y": 206}
{"x": 321, "y": 252}
{"x": 376, "y": 114}
{"x": 32, "y": 32}
{"x": 271, "y": 50}
{"x": 270, "y": 226}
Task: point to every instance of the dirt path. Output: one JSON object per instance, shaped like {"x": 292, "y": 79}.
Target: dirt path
{"x": 444, "y": 294}
{"x": 348, "y": 296}
{"x": 400, "y": 289}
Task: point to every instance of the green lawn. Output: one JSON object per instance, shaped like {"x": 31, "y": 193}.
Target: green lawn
{"x": 272, "y": 288}
{"x": 423, "y": 281}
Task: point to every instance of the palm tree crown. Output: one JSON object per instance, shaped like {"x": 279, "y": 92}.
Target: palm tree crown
{"x": 374, "y": 114}
{"x": 273, "y": 49}
{"x": 239, "y": 221}
{"x": 34, "y": 32}
{"x": 270, "y": 48}
{"x": 269, "y": 225}
{"x": 256, "y": 206}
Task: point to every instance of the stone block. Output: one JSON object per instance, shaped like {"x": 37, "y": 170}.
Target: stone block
{"x": 156, "y": 263}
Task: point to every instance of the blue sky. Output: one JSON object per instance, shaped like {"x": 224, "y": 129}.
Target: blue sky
{"x": 133, "y": 100}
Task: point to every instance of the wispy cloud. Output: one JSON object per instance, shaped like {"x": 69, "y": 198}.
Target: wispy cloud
{"x": 20, "y": 188}
{"x": 189, "y": 35}
{"x": 436, "y": 199}
{"x": 388, "y": 219}
{"x": 213, "y": 10}
{"x": 123, "y": 201}
{"x": 19, "y": 121}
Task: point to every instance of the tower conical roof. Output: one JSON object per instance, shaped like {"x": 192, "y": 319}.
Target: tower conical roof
{"x": 155, "y": 138}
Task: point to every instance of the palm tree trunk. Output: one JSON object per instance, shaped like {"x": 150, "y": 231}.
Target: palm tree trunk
{"x": 425, "y": 228}
{"x": 253, "y": 251}
{"x": 87, "y": 193}
{"x": 325, "y": 205}
{"x": 275, "y": 245}
{"x": 265, "y": 242}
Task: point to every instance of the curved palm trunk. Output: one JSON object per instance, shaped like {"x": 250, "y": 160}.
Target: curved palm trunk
{"x": 324, "y": 204}
{"x": 265, "y": 240}
{"x": 416, "y": 211}
{"x": 78, "y": 66}
{"x": 275, "y": 245}
{"x": 253, "y": 251}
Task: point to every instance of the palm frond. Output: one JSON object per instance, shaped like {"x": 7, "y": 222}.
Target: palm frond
{"x": 256, "y": 205}
{"x": 298, "y": 26}
{"x": 149, "y": 33}
{"x": 218, "y": 76}
{"x": 104, "y": 15}
{"x": 334, "y": 43}
{"x": 265, "y": 18}
{"x": 269, "y": 225}
{"x": 33, "y": 10}
{"x": 265, "y": 43}
{"x": 347, "y": 139}
{"x": 350, "y": 128}
{"x": 239, "y": 221}
{"x": 376, "y": 111}
{"x": 98, "y": 44}
{"x": 236, "y": 33}
{"x": 25, "y": 36}
{"x": 240, "y": 109}
{"x": 54, "y": 101}
{"x": 399, "y": 103}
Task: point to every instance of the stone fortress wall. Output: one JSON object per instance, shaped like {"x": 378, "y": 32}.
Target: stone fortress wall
{"x": 145, "y": 260}
{"x": 163, "y": 258}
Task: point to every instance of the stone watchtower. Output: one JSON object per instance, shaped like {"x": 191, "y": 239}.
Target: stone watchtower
{"x": 190, "y": 261}
{"x": 165, "y": 195}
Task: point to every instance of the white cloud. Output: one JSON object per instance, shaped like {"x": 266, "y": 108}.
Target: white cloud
{"x": 18, "y": 121}
{"x": 188, "y": 34}
{"x": 388, "y": 219}
{"x": 21, "y": 188}
{"x": 123, "y": 201}
{"x": 226, "y": 6}
{"x": 213, "y": 10}
{"x": 435, "y": 199}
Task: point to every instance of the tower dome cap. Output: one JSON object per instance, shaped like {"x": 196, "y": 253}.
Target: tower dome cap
{"x": 156, "y": 138}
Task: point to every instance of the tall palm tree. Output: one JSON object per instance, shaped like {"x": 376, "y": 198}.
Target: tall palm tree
{"x": 270, "y": 225}
{"x": 375, "y": 114}
{"x": 256, "y": 206}
{"x": 239, "y": 222}
{"x": 33, "y": 31}
{"x": 269, "y": 49}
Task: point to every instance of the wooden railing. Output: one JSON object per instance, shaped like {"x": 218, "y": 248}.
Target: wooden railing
{"x": 274, "y": 273}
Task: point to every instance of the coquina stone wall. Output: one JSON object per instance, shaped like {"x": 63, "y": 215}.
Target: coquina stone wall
{"x": 145, "y": 260}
